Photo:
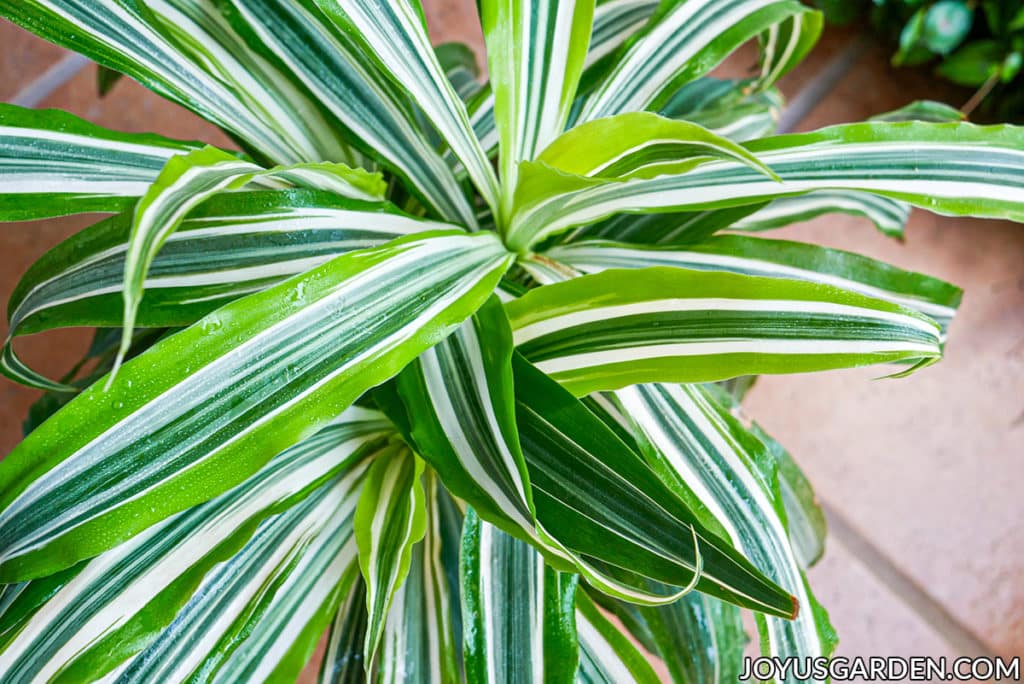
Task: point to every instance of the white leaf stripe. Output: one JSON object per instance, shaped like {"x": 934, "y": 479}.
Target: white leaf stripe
{"x": 265, "y": 90}
{"x": 229, "y": 247}
{"x": 186, "y": 182}
{"x": 535, "y": 51}
{"x": 119, "y": 36}
{"x": 272, "y": 592}
{"x": 514, "y": 610}
{"x": 419, "y": 639}
{"x": 779, "y": 259}
{"x": 958, "y": 169}
{"x": 360, "y": 316}
{"x": 576, "y": 460}
{"x": 611, "y": 329}
{"x": 697, "y": 442}
{"x": 343, "y": 657}
{"x": 109, "y": 594}
{"x": 336, "y": 71}
{"x": 606, "y": 655}
{"x": 890, "y": 216}
{"x": 389, "y": 520}
{"x": 396, "y": 35}
{"x": 673, "y": 44}
{"x": 53, "y": 163}
{"x": 616, "y": 21}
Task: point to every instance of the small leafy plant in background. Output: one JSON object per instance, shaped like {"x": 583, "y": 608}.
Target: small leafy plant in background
{"x": 977, "y": 44}
{"x": 450, "y": 370}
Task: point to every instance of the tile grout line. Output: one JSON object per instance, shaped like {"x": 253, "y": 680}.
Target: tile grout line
{"x": 906, "y": 590}
{"x": 821, "y": 84}
{"x": 50, "y": 80}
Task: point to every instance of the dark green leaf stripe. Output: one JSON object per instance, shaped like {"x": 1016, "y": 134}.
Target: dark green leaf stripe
{"x": 518, "y": 613}
{"x": 615, "y": 21}
{"x": 120, "y": 601}
{"x": 459, "y": 410}
{"x": 727, "y": 107}
{"x": 259, "y": 616}
{"x": 621, "y": 327}
{"x": 684, "y": 41}
{"x": 606, "y": 655}
{"x": 168, "y": 434}
{"x": 955, "y": 169}
{"x": 232, "y": 244}
{"x": 779, "y": 259}
{"x": 700, "y": 639}
{"x": 337, "y": 70}
{"x": 535, "y": 53}
{"x": 419, "y": 642}
{"x": 888, "y": 215}
{"x": 129, "y": 37}
{"x": 698, "y": 445}
{"x": 53, "y": 164}
{"x": 395, "y": 34}
{"x": 187, "y": 180}
{"x": 343, "y": 657}
{"x": 389, "y": 520}
{"x": 599, "y": 498}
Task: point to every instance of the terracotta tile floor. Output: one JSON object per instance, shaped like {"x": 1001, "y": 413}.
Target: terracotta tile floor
{"x": 921, "y": 474}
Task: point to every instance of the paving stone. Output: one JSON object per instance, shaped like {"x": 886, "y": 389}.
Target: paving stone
{"x": 25, "y": 57}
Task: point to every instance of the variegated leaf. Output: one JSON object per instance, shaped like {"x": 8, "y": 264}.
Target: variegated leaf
{"x": 169, "y": 434}
{"x": 52, "y": 164}
{"x": 390, "y": 519}
{"x": 518, "y": 613}
{"x": 778, "y": 259}
{"x": 606, "y": 655}
{"x": 259, "y": 616}
{"x": 101, "y": 613}
{"x": 696, "y": 444}
{"x": 622, "y": 327}
{"x": 188, "y": 180}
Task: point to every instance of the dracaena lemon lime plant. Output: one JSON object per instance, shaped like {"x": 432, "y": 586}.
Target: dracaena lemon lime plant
{"x": 435, "y": 366}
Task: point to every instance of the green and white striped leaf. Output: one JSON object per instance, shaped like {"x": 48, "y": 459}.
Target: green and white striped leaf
{"x": 518, "y": 613}
{"x": 458, "y": 62}
{"x": 535, "y": 53}
{"x": 953, "y": 169}
{"x": 456, "y": 405}
{"x": 419, "y": 642}
{"x": 700, "y": 446}
{"x": 684, "y": 41}
{"x": 699, "y": 638}
{"x": 638, "y": 146}
{"x": 389, "y": 520}
{"x": 205, "y": 408}
{"x": 396, "y": 35}
{"x": 199, "y": 29}
{"x": 889, "y": 215}
{"x": 680, "y": 228}
{"x": 786, "y": 43}
{"x": 727, "y": 107}
{"x": 606, "y": 655}
{"x": 615, "y": 22}
{"x": 623, "y": 327}
{"x": 370, "y": 108}
{"x": 259, "y": 616}
{"x": 598, "y": 497}
{"x": 187, "y": 181}
{"x": 231, "y": 245}
{"x": 114, "y": 605}
{"x": 778, "y": 259}
{"x": 227, "y": 89}
{"x": 343, "y": 657}
{"x": 52, "y": 164}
